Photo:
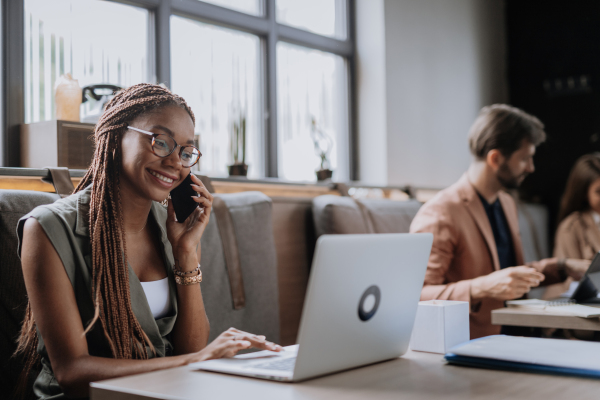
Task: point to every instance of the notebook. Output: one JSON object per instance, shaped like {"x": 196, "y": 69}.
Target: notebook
{"x": 555, "y": 356}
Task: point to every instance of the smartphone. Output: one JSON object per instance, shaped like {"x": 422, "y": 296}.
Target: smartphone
{"x": 182, "y": 200}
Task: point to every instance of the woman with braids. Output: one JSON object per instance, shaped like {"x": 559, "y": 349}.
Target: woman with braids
{"x": 92, "y": 261}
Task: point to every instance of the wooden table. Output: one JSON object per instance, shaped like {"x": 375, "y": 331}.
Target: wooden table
{"x": 542, "y": 319}
{"x": 415, "y": 376}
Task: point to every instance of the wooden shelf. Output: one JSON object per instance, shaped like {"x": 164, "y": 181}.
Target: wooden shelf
{"x": 31, "y": 179}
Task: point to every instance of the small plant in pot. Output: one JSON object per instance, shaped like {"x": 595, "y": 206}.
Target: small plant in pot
{"x": 323, "y": 145}
{"x": 237, "y": 143}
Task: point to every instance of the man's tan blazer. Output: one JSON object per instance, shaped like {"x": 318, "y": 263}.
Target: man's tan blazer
{"x": 464, "y": 248}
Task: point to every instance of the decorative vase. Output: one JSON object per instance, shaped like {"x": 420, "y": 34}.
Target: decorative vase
{"x": 324, "y": 174}
{"x": 67, "y": 97}
{"x": 238, "y": 170}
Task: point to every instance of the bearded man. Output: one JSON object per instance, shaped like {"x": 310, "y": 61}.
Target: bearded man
{"x": 477, "y": 254}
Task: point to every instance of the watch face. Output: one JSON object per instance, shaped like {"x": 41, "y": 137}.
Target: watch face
{"x": 369, "y": 303}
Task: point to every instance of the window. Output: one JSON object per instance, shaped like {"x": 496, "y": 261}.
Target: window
{"x": 252, "y": 7}
{"x": 83, "y": 38}
{"x": 324, "y": 17}
{"x": 311, "y": 95}
{"x": 217, "y": 74}
{"x": 279, "y": 63}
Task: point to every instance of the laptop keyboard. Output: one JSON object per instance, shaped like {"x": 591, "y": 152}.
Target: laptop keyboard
{"x": 281, "y": 364}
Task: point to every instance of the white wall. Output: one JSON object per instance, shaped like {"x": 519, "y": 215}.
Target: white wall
{"x": 371, "y": 91}
{"x": 442, "y": 60}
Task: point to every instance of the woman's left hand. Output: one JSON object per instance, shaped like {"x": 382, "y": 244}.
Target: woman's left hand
{"x": 185, "y": 237}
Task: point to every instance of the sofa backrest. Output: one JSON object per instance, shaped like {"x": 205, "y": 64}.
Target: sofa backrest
{"x": 533, "y": 225}
{"x": 251, "y": 214}
{"x": 342, "y": 215}
{"x": 294, "y": 242}
{"x": 13, "y": 297}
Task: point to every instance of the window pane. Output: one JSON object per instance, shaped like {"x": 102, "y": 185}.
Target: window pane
{"x": 84, "y": 38}
{"x": 325, "y": 17}
{"x": 217, "y": 73}
{"x": 252, "y": 7}
{"x": 311, "y": 85}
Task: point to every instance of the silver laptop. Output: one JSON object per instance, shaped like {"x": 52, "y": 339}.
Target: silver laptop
{"x": 359, "y": 309}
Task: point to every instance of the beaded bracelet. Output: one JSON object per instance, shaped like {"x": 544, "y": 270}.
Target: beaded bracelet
{"x": 188, "y": 280}
{"x": 183, "y": 274}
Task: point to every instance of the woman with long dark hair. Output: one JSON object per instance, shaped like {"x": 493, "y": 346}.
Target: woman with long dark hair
{"x": 578, "y": 233}
{"x": 92, "y": 260}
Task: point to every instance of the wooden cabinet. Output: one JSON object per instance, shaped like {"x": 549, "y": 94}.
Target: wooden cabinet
{"x": 57, "y": 144}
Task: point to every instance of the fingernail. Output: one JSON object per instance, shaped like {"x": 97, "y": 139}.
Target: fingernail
{"x": 261, "y": 337}
{"x": 246, "y": 343}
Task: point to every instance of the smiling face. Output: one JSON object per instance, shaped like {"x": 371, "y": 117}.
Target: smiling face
{"x": 145, "y": 174}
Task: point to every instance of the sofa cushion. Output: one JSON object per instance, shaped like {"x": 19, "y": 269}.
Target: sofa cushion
{"x": 13, "y": 297}
{"x": 533, "y": 225}
{"x": 295, "y": 243}
{"x": 251, "y": 215}
{"x": 340, "y": 215}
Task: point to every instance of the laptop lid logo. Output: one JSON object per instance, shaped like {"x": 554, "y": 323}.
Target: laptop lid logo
{"x": 369, "y": 302}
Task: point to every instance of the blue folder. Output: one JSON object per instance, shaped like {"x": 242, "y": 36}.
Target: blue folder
{"x": 547, "y": 356}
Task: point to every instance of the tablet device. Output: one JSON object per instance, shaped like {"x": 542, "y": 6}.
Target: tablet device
{"x": 587, "y": 291}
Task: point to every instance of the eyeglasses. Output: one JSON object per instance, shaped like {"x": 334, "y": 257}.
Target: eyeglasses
{"x": 163, "y": 145}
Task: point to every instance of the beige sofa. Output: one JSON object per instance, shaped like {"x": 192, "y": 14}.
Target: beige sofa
{"x": 291, "y": 221}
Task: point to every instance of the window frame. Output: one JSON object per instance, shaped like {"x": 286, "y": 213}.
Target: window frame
{"x": 265, "y": 27}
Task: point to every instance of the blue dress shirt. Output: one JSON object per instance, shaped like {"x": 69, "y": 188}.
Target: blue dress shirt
{"x": 502, "y": 236}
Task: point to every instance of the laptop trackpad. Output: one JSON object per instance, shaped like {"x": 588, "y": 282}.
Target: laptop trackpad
{"x": 266, "y": 354}
{"x": 247, "y": 360}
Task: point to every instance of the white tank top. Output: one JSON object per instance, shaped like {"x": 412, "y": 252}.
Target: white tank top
{"x": 157, "y": 294}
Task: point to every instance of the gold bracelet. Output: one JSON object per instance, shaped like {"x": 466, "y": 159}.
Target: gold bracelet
{"x": 183, "y": 274}
{"x": 188, "y": 280}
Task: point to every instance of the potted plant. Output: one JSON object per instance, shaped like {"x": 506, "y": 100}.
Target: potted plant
{"x": 323, "y": 145}
{"x": 237, "y": 143}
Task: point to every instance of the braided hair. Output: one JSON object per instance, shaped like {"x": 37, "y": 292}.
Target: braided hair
{"x": 110, "y": 276}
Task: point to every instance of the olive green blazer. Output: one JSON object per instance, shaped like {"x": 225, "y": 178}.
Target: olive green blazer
{"x": 66, "y": 223}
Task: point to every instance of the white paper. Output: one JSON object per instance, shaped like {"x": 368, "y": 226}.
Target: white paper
{"x": 577, "y": 310}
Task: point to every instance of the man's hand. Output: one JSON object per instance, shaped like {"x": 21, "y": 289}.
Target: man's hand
{"x": 576, "y": 268}
{"x": 505, "y": 284}
{"x": 562, "y": 268}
